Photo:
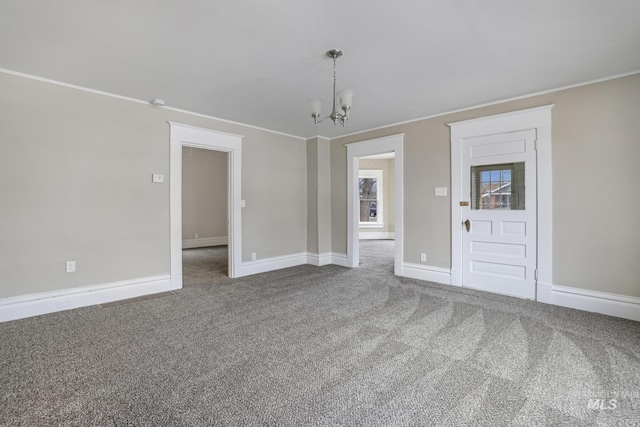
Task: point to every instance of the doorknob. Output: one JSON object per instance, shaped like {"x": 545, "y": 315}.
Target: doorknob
{"x": 467, "y": 225}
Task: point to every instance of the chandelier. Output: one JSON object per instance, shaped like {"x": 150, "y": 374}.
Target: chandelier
{"x": 341, "y": 100}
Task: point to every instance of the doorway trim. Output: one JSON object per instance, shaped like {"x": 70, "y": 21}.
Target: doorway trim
{"x": 539, "y": 119}
{"x": 191, "y": 136}
{"x": 370, "y": 147}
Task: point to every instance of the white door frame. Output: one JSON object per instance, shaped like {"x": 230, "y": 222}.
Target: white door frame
{"x": 386, "y": 144}
{"x": 538, "y": 118}
{"x": 190, "y": 136}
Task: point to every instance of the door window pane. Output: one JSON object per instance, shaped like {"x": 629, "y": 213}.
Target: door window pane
{"x": 498, "y": 186}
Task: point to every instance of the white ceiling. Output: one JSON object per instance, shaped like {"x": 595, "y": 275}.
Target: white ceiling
{"x": 258, "y": 62}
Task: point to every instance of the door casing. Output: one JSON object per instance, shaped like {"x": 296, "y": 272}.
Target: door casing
{"x": 386, "y": 144}
{"x": 191, "y": 136}
{"x": 538, "y": 119}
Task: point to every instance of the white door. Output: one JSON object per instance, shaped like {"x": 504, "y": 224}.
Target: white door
{"x": 499, "y": 221}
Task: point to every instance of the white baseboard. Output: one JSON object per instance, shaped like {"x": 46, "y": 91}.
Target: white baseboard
{"x": 544, "y": 292}
{"x": 376, "y": 235}
{"x": 427, "y": 272}
{"x": 319, "y": 259}
{"x": 598, "y": 302}
{"x": 22, "y": 306}
{"x": 270, "y": 264}
{"x": 276, "y": 263}
{"x": 204, "y": 242}
{"x": 339, "y": 259}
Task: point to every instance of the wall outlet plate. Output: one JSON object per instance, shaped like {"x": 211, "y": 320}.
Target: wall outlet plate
{"x": 157, "y": 178}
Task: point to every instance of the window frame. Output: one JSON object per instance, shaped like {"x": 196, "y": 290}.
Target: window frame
{"x": 476, "y": 184}
{"x": 378, "y": 175}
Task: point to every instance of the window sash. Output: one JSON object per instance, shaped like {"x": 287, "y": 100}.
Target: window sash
{"x": 379, "y": 218}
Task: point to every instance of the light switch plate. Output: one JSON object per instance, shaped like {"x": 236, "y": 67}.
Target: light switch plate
{"x": 157, "y": 178}
{"x": 441, "y": 191}
{"x": 70, "y": 266}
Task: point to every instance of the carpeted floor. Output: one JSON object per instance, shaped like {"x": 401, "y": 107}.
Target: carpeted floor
{"x": 319, "y": 346}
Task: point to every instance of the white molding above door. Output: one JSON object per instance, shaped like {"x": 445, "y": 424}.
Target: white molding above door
{"x": 191, "y": 136}
{"x": 539, "y": 119}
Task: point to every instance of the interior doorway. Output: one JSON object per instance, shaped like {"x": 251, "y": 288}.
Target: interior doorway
{"x": 194, "y": 137}
{"x": 376, "y": 198}
{"x": 205, "y": 234}
{"x": 371, "y": 218}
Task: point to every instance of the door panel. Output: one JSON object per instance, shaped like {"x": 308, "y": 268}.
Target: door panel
{"x": 499, "y": 250}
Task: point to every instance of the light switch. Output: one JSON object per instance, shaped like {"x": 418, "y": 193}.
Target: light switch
{"x": 157, "y": 178}
{"x": 441, "y": 191}
{"x": 70, "y": 266}
{"x": 242, "y": 204}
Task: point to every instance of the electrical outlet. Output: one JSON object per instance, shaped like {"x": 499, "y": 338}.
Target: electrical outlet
{"x": 253, "y": 256}
{"x": 157, "y": 178}
{"x": 423, "y": 257}
{"x": 197, "y": 235}
{"x": 71, "y": 266}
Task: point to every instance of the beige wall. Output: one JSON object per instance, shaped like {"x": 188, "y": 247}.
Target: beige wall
{"x": 75, "y": 180}
{"x": 387, "y": 166}
{"x": 312, "y": 195}
{"x": 204, "y": 193}
{"x": 318, "y": 196}
{"x": 596, "y": 143}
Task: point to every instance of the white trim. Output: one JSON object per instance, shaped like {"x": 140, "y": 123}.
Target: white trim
{"x": 538, "y": 118}
{"x": 391, "y": 143}
{"x": 292, "y": 260}
{"x": 275, "y": 263}
{"x": 370, "y": 225}
{"x": 488, "y": 104}
{"x": 512, "y": 121}
{"x": 544, "y": 292}
{"x": 191, "y": 136}
{"x": 319, "y": 259}
{"x": 597, "y": 302}
{"x": 427, "y": 272}
{"x": 204, "y": 242}
{"x": 23, "y": 306}
{"x": 140, "y": 101}
{"x": 376, "y": 235}
{"x": 339, "y": 259}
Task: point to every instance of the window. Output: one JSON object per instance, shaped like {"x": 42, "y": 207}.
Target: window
{"x": 498, "y": 186}
{"x": 370, "y": 195}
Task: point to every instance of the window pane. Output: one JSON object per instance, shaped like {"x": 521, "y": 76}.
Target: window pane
{"x": 498, "y": 186}
{"x": 368, "y": 198}
{"x": 368, "y": 188}
{"x": 368, "y": 211}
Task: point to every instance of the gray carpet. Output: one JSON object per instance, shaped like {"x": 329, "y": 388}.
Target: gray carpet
{"x": 319, "y": 346}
